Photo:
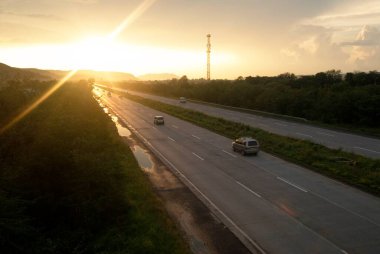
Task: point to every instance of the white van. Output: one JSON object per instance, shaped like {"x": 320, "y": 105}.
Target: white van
{"x": 158, "y": 120}
{"x": 246, "y": 145}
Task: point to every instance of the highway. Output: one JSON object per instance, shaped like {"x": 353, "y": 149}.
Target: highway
{"x": 369, "y": 147}
{"x": 271, "y": 205}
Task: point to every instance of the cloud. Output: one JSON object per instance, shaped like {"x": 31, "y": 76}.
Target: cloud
{"x": 32, "y": 15}
{"x": 365, "y": 50}
{"x": 19, "y": 34}
{"x": 367, "y": 36}
{"x": 314, "y": 41}
{"x": 344, "y": 20}
{"x": 83, "y": 1}
{"x": 313, "y": 48}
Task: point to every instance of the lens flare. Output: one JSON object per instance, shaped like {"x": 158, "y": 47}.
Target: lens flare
{"x": 131, "y": 18}
{"x": 37, "y": 102}
{"x": 123, "y": 25}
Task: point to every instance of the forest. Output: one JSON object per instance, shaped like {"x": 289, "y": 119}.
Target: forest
{"x": 69, "y": 184}
{"x": 352, "y": 99}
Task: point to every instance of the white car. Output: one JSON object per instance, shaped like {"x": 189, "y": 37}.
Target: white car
{"x": 246, "y": 145}
{"x": 158, "y": 120}
{"x": 182, "y": 99}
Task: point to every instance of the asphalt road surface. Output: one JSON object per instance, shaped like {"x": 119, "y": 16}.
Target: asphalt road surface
{"x": 271, "y": 205}
{"x": 369, "y": 147}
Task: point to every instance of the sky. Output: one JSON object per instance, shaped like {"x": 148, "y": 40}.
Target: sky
{"x": 248, "y": 37}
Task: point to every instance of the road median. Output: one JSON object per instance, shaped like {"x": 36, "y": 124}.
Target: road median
{"x": 352, "y": 169}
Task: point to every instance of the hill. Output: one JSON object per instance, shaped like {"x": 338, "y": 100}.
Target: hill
{"x": 158, "y": 76}
{"x": 11, "y": 73}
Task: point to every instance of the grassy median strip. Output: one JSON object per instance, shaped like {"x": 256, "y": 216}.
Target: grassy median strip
{"x": 69, "y": 184}
{"x": 349, "y": 168}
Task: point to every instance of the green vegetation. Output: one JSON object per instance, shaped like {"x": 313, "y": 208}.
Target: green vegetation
{"x": 352, "y": 169}
{"x": 351, "y": 101}
{"x": 69, "y": 184}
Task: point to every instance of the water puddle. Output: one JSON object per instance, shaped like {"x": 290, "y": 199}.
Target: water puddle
{"x": 124, "y": 132}
{"x": 142, "y": 156}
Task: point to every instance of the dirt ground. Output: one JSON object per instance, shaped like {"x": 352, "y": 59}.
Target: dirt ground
{"x": 204, "y": 232}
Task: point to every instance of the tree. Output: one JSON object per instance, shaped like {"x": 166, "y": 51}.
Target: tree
{"x": 349, "y": 78}
{"x": 183, "y": 81}
{"x": 321, "y": 78}
{"x": 333, "y": 77}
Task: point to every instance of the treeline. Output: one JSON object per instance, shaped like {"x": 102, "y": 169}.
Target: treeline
{"x": 68, "y": 184}
{"x": 327, "y": 97}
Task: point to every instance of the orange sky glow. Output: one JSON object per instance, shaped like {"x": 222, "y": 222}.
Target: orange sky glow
{"x": 249, "y": 37}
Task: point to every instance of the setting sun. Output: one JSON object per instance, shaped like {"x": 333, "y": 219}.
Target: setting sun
{"x": 99, "y": 53}
{"x": 248, "y": 38}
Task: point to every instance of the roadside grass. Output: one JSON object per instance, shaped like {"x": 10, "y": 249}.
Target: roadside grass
{"x": 352, "y": 169}
{"x": 360, "y": 130}
{"x": 69, "y": 184}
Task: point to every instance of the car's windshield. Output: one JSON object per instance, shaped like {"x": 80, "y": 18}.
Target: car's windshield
{"x": 252, "y": 143}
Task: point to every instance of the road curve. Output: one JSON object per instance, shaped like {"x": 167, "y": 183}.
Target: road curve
{"x": 272, "y": 205}
{"x": 369, "y": 147}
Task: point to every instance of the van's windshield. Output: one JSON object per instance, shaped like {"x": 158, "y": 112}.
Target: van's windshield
{"x": 252, "y": 143}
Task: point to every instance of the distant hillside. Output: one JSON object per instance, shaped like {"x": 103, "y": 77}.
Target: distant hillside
{"x": 12, "y": 73}
{"x": 103, "y": 75}
{"x": 158, "y": 76}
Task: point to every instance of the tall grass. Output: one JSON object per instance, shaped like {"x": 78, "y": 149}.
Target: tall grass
{"x": 69, "y": 184}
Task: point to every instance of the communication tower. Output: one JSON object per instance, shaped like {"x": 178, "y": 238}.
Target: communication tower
{"x": 208, "y": 55}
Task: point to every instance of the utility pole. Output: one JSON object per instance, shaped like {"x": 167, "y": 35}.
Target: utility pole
{"x": 208, "y": 55}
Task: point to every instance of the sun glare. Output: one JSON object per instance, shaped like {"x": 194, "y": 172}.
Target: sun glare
{"x": 85, "y": 50}
{"x": 101, "y": 54}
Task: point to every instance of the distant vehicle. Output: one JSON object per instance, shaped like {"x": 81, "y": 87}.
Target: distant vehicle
{"x": 159, "y": 120}
{"x": 182, "y": 99}
{"x": 246, "y": 145}
{"x": 109, "y": 94}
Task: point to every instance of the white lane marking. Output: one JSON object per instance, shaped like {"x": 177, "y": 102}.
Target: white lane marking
{"x": 216, "y": 208}
{"x": 175, "y": 126}
{"x": 229, "y": 153}
{"x": 292, "y": 184}
{"x": 248, "y": 189}
{"x": 346, "y": 209}
{"x": 212, "y": 204}
{"x": 281, "y": 124}
{"x": 365, "y": 149}
{"x": 171, "y": 139}
{"x": 196, "y": 137}
{"x": 326, "y": 134}
{"x": 343, "y": 251}
{"x": 199, "y": 157}
{"x": 305, "y": 135}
